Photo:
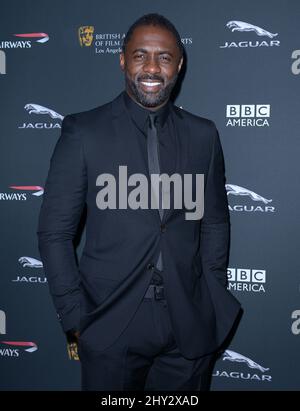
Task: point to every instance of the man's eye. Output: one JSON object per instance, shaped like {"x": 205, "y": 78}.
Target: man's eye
{"x": 165, "y": 58}
{"x": 139, "y": 55}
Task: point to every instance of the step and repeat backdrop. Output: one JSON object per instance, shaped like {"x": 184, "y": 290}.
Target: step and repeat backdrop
{"x": 243, "y": 72}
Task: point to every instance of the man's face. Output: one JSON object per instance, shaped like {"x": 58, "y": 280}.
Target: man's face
{"x": 151, "y": 64}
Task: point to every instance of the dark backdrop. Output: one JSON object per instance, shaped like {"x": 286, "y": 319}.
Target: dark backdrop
{"x": 246, "y": 80}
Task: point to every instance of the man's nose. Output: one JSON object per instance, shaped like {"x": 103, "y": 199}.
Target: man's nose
{"x": 152, "y": 65}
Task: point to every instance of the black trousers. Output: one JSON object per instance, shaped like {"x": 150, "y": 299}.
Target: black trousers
{"x": 144, "y": 357}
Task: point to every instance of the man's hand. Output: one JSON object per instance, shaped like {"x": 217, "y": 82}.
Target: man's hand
{"x": 72, "y": 345}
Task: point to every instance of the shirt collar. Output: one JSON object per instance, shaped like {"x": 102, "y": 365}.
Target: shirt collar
{"x": 140, "y": 114}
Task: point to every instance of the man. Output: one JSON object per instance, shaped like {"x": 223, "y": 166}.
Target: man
{"x": 148, "y": 304}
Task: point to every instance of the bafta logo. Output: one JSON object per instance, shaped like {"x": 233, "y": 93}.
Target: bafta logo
{"x": 85, "y": 34}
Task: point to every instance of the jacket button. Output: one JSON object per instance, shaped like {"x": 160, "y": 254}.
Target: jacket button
{"x": 163, "y": 228}
{"x": 150, "y": 266}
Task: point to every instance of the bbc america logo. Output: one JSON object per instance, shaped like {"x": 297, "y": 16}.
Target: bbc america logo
{"x": 246, "y": 279}
{"x": 248, "y": 115}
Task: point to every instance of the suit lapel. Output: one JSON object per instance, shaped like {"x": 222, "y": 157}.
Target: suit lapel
{"x": 180, "y": 130}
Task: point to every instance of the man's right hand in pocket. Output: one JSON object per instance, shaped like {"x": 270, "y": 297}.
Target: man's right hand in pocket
{"x": 72, "y": 345}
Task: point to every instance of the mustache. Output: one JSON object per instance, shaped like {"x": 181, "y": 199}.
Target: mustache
{"x": 151, "y": 78}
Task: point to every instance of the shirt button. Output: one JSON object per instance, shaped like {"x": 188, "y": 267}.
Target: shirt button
{"x": 163, "y": 228}
{"x": 150, "y": 266}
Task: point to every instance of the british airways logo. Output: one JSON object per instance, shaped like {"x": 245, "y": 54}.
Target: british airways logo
{"x": 12, "y": 348}
{"x": 21, "y": 193}
{"x": 41, "y": 37}
{"x": 25, "y": 41}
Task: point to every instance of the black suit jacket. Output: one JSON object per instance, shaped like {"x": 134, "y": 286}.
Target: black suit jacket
{"x": 104, "y": 291}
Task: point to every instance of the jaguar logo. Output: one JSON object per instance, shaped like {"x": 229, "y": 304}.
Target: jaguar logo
{"x": 236, "y": 357}
{"x": 37, "y": 109}
{"x": 241, "y": 191}
{"x": 236, "y": 25}
{"x": 30, "y": 262}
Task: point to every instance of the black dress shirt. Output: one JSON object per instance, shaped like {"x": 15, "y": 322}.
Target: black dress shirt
{"x": 139, "y": 116}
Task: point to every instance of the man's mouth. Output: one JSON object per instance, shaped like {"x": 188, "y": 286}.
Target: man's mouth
{"x": 151, "y": 85}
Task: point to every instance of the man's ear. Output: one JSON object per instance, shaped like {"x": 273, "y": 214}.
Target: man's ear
{"x": 122, "y": 61}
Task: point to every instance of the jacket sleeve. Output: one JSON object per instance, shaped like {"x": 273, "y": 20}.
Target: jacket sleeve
{"x": 215, "y": 224}
{"x": 61, "y": 209}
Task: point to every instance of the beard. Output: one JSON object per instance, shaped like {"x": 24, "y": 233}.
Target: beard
{"x": 150, "y": 99}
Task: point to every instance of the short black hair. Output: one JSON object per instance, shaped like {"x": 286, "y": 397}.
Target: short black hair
{"x": 153, "y": 19}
